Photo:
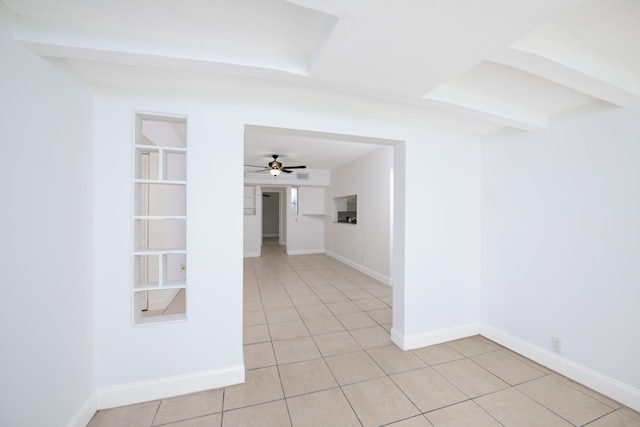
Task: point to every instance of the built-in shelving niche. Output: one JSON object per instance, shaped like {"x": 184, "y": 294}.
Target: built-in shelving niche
{"x": 159, "y": 282}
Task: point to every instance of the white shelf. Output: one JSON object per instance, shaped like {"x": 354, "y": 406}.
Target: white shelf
{"x": 161, "y": 148}
{"x": 160, "y": 217}
{"x": 157, "y": 287}
{"x": 159, "y": 181}
{"x": 159, "y": 251}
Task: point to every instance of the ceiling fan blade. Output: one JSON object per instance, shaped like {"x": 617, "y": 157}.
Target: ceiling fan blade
{"x": 294, "y": 167}
{"x": 285, "y": 170}
{"x": 255, "y": 166}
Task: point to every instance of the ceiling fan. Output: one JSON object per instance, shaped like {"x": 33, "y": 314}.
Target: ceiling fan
{"x": 275, "y": 167}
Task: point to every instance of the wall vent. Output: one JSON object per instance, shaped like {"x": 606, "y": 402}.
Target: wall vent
{"x": 302, "y": 176}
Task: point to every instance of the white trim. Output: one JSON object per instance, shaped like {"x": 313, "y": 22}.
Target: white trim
{"x": 144, "y": 391}
{"x": 86, "y": 412}
{"x": 252, "y": 254}
{"x": 410, "y": 342}
{"x": 304, "y": 251}
{"x": 361, "y": 268}
{"x": 603, "y": 384}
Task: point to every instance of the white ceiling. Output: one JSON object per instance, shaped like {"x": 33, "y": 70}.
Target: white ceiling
{"x": 475, "y": 66}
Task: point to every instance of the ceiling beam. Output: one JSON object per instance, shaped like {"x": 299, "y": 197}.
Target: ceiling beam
{"x": 460, "y": 101}
{"x": 75, "y": 42}
{"x": 553, "y": 61}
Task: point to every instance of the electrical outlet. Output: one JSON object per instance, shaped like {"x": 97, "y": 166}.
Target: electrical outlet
{"x": 556, "y": 344}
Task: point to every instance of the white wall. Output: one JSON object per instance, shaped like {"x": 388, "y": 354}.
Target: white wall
{"x": 135, "y": 363}
{"x": 46, "y": 321}
{"x": 561, "y": 240}
{"x": 305, "y": 230}
{"x": 366, "y": 244}
{"x": 440, "y": 272}
{"x": 440, "y": 261}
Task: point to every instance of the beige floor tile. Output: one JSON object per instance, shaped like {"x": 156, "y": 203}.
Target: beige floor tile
{"x": 299, "y": 301}
{"x": 357, "y": 294}
{"x": 332, "y": 297}
{"x": 427, "y": 389}
{"x": 299, "y": 292}
{"x": 306, "y": 377}
{"x": 314, "y": 311}
{"x": 354, "y": 367}
{"x": 370, "y": 304}
{"x": 506, "y": 367}
{"x": 322, "y": 409}
{"x": 379, "y": 402}
{"x": 387, "y": 300}
{"x": 264, "y": 415}
{"x": 383, "y": 316}
{"x": 512, "y": 408}
{"x": 378, "y": 291}
{"x": 254, "y": 318}
{"x": 599, "y": 397}
{"x": 473, "y": 346}
{"x": 569, "y": 403}
{"x": 336, "y": 343}
{"x": 189, "y": 406}
{"x": 365, "y": 282}
{"x": 252, "y": 305}
{"x": 419, "y": 421}
{"x": 630, "y": 413}
{"x": 371, "y": 337}
{"x": 258, "y": 355}
{"x": 214, "y": 420}
{"x": 139, "y": 415}
{"x": 343, "y": 307}
{"x": 393, "y": 360}
{"x": 437, "y": 354}
{"x": 295, "y": 350}
{"x": 282, "y": 315}
{"x": 463, "y": 414}
{"x": 387, "y": 327}
{"x": 528, "y": 361}
{"x": 318, "y": 282}
{"x": 323, "y": 325}
{"x": 260, "y": 386}
{"x": 356, "y": 320}
{"x": 616, "y": 419}
{"x": 470, "y": 378}
{"x": 286, "y": 330}
{"x": 255, "y": 334}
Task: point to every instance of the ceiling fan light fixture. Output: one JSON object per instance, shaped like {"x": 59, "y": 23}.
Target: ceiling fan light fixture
{"x": 274, "y": 172}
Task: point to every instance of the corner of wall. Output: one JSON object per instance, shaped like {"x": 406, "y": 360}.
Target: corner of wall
{"x": 425, "y": 339}
{"x": 86, "y": 412}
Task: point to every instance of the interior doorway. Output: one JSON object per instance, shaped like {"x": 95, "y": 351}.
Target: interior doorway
{"x": 273, "y": 216}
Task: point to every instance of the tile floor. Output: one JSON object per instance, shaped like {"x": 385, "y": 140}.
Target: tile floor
{"x": 317, "y": 353}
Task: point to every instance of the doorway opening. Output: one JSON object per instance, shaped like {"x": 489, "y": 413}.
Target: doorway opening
{"x": 273, "y": 216}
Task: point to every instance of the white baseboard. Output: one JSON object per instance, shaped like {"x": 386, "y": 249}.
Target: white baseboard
{"x": 161, "y": 388}
{"x": 85, "y": 413}
{"x": 603, "y": 384}
{"x": 361, "y": 268}
{"x": 252, "y": 254}
{"x": 304, "y": 251}
{"x": 410, "y": 342}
